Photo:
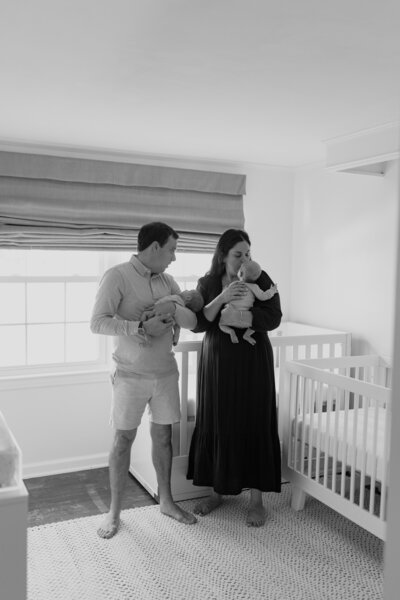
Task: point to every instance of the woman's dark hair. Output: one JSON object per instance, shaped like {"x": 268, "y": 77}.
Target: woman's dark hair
{"x": 154, "y": 232}
{"x": 228, "y": 239}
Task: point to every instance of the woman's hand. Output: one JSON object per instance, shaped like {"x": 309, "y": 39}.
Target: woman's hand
{"x": 235, "y": 291}
{"x": 236, "y": 318}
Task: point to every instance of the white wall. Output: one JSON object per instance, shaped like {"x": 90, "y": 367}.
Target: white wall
{"x": 344, "y": 254}
{"x": 62, "y": 425}
{"x": 268, "y": 209}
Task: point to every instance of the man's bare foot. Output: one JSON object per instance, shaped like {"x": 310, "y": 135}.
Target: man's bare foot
{"x": 256, "y": 516}
{"x": 207, "y": 505}
{"x": 170, "y": 509}
{"x": 108, "y": 527}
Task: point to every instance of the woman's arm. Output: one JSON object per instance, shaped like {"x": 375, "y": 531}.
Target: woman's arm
{"x": 235, "y": 291}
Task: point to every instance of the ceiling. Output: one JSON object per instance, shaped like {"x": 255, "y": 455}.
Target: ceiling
{"x": 261, "y": 81}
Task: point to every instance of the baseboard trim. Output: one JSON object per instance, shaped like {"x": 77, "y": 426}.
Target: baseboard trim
{"x": 54, "y": 467}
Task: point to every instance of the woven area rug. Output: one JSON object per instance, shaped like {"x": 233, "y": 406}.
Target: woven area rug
{"x": 314, "y": 554}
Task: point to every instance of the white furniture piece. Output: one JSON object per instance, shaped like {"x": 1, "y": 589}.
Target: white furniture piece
{"x": 13, "y": 518}
{"x": 336, "y": 434}
{"x": 290, "y": 340}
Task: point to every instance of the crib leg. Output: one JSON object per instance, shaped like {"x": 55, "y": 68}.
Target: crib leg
{"x": 298, "y": 498}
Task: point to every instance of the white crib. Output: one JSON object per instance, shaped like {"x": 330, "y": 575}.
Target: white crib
{"x": 336, "y": 433}
{"x": 290, "y": 340}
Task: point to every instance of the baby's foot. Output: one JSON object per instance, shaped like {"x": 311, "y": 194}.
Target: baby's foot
{"x": 108, "y": 527}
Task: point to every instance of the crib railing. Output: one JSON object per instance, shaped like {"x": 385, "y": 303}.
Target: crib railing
{"x": 187, "y": 355}
{"x": 337, "y": 429}
{"x": 290, "y": 340}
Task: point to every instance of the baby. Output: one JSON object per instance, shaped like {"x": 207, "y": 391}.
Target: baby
{"x": 249, "y": 272}
{"x": 192, "y": 299}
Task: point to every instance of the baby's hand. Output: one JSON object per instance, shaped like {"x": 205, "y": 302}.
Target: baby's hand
{"x": 147, "y": 313}
{"x": 272, "y": 290}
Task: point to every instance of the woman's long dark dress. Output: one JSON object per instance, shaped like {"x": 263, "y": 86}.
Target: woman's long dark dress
{"x": 235, "y": 443}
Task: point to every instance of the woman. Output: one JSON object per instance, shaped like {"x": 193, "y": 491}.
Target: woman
{"x": 235, "y": 443}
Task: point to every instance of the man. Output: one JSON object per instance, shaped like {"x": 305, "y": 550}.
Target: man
{"x": 146, "y": 371}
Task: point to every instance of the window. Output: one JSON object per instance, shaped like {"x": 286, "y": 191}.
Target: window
{"x": 46, "y": 298}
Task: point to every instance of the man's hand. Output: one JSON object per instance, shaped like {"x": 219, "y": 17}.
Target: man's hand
{"x": 163, "y": 308}
{"x": 147, "y": 313}
{"x": 158, "y": 324}
{"x": 236, "y": 318}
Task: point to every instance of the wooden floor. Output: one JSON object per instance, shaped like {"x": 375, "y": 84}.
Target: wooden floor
{"x": 79, "y": 494}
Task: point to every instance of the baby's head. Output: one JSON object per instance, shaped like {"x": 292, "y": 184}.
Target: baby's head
{"x": 250, "y": 271}
{"x": 193, "y": 300}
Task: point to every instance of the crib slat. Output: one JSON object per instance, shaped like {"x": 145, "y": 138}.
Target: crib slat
{"x": 303, "y": 424}
{"x": 335, "y": 440}
{"x": 386, "y": 447}
{"x": 354, "y": 448}
{"x": 317, "y": 465}
{"x": 327, "y": 435}
{"x": 311, "y": 427}
{"x": 183, "y": 436}
{"x": 374, "y": 461}
{"x": 293, "y": 421}
{"x": 364, "y": 450}
{"x": 345, "y": 443}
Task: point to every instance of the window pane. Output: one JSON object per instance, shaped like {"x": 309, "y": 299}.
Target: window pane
{"x": 60, "y": 263}
{"x": 12, "y": 347}
{"x": 45, "y": 344}
{"x": 12, "y": 303}
{"x": 189, "y": 265}
{"x": 44, "y": 263}
{"x": 81, "y": 344}
{"x": 80, "y": 299}
{"x": 81, "y": 263}
{"x": 45, "y": 302}
{"x": 12, "y": 263}
{"x": 188, "y": 268}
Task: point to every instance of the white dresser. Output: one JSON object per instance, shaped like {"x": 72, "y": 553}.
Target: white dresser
{"x": 13, "y": 519}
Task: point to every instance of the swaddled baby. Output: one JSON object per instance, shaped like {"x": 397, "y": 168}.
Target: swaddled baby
{"x": 192, "y": 299}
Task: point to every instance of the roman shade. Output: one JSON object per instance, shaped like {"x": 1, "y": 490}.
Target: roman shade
{"x": 73, "y": 203}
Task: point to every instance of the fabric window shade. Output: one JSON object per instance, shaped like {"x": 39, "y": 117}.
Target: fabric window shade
{"x": 73, "y": 203}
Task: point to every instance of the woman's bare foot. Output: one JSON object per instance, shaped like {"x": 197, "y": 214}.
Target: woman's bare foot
{"x": 108, "y": 527}
{"x": 256, "y": 516}
{"x": 170, "y": 509}
{"x": 207, "y": 505}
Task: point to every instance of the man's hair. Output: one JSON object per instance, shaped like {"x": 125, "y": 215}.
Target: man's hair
{"x": 154, "y": 232}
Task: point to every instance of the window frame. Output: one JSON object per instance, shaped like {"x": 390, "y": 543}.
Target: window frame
{"x": 76, "y": 369}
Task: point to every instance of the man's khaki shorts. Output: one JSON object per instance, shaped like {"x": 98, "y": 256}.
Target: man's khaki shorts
{"x": 131, "y": 395}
